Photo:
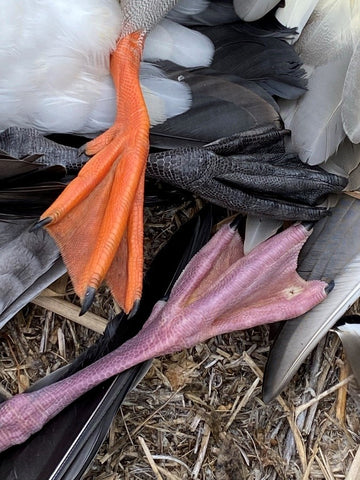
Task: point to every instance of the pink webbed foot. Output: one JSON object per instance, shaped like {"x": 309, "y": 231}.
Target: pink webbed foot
{"x": 221, "y": 290}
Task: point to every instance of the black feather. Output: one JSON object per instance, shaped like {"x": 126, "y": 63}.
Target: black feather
{"x": 260, "y": 55}
{"x": 222, "y": 106}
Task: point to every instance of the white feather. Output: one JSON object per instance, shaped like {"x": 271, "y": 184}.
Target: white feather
{"x": 258, "y": 230}
{"x": 327, "y": 35}
{"x": 354, "y": 178}
{"x": 350, "y": 338}
{"x": 326, "y": 45}
{"x": 315, "y": 119}
{"x": 346, "y": 162}
{"x": 179, "y": 44}
{"x": 350, "y": 328}
{"x": 295, "y": 14}
{"x": 102, "y": 113}
{"x": 164, "y": 98}
{"x": 54, "y": 59}
{"x": 54, "y": 68}
{"x": 251, "y": 10}
{"x": 351, "y": 97}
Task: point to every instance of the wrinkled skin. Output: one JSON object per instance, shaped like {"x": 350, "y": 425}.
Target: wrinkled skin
{"x": 251, "y": 173}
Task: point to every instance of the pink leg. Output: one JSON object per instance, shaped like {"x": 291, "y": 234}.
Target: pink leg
{"x": 221, "y": 290}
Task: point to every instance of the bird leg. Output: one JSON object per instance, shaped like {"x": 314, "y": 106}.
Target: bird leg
{"x": 220, "y": 290}
{"x": 97, "y": 221}
{"x": 249, "y": 172}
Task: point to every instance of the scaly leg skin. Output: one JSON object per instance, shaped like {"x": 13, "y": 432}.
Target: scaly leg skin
{"x": 221, "y": 290}
{"x": 102, "y": 207}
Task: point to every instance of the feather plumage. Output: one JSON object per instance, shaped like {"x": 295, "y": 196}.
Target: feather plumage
{"x": 351, "y": 103}
{"x": 260, "y": 55}
{"x": 332, "y": 254}
{"x": 250, "y": 64}
{"x": 346, "y": 162}
{"x": 315, "y": 122}
{"x": 295, "y": 14}
{"x": 84, "y": 66}
{"x": 164, "y": 98}
{"x": 235, "y": 105}
{"x": 349, "y": 334}
{"x": 258, "y": 230}
{"x": 30, "y": 261}
{"x": 178, "y": 44}
{"x": 327, "y": 34}
{"x": 251, "y": 10}
{"x": 216, "y": 13}
{"x": 326, "y": 46}
{"x": 189, "y": 7}
{"x": 64, "y": 84}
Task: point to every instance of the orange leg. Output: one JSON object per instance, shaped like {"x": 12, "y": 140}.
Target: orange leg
{"x": 97, "y": 221}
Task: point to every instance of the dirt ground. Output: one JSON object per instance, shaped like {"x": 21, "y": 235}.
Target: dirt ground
{"x": 199, "y": 414}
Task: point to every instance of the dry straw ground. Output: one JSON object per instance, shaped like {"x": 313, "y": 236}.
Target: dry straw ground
{"x": 199, "y": 414}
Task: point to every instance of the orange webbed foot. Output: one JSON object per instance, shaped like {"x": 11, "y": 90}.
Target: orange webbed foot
{"x": 97, "y": 221}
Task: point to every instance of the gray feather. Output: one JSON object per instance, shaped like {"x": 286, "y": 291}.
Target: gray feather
{"x": 28, "y": 263}
{"x": 350, "y": 337}
{"x": 251, "y": 10}
{"x": 331, "y": 253}
{"x": 217, "y": 13}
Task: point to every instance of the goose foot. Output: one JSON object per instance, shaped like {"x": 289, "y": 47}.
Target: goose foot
{"x": 97, "y": 221}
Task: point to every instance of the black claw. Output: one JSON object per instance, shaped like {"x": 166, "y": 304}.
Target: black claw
{"x": 134, "y": 309}
{"x": 308, "y": 225}
{"x": 329, "y": 287}
{"x": 236, "y": 222}
{"x": 40, "y": 224}
{"x": 88, "y": 300}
